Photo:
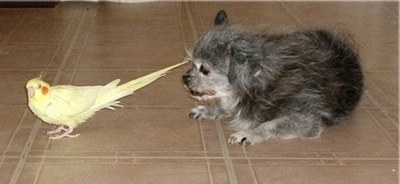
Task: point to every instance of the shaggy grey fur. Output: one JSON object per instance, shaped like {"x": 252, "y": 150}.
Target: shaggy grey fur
{"x": 287, "y": 85}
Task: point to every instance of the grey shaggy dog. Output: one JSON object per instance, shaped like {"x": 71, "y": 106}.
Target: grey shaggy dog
{"x": 286, "y": 86}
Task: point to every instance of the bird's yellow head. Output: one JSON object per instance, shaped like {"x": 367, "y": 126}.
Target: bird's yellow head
{"x": 37, "y": 88}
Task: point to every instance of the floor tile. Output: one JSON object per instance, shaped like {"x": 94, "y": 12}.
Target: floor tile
{"x": 110, "y": 173}
{"x": 326, "y": 174}
{"x": 152, "y": 139}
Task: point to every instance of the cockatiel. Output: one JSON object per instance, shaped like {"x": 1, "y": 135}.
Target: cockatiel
{"x": 72, "y": 105}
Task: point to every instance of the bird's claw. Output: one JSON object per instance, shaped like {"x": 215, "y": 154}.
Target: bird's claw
{"x": 67, "y": 133}
{"x": 58, "y": 130}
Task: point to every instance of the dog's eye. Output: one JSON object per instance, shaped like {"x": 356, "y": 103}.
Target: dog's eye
{"x": 203, "y": 70}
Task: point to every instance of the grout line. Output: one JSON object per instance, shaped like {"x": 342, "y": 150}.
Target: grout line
{"x": 194, "y": 34}
{"x": 378, "y": 105}
{"x": 61, "y": 42}
{"x": 380, "y": 91}
{"x": 388, "y": 11}
{"x": 64, "y": 62}
{"x": 200, "y": 16}
{"x": 205, "y": 151}
{"x": 191, "y": 20}
{"x": 338, "y": 159}
{"x": 84, "y": 44}
{"x": 225, "y": 153}
{"x": 383, "y": 129}
{"x": 253, "y": 173}
{"x": 95, "y": 69}
{"x": 291, "y": 13}
{"x": 134, "y": 156}
{"x": 58, "y": 76}
{"x": 177, "y": 5}
{"x": 19, "y": 24}
{"x": 13, "y": 136}
{"x": 384, "y": 113}
{"x": 134, "y": 106}
{"x": 41, "y": 164}
{"x": 228, "y": 161}
{"x": 35, "y": 128}
{"x": 317, "y": 156}
{"x": 200, "y": 156}
{"x": 25, "y": 151}
{"x": 125, "y": 42}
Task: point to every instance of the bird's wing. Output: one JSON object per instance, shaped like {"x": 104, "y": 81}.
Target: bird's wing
{"x": 68, "y": 101}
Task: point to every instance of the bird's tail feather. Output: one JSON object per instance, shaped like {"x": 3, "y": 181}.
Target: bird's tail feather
{"x": 112, "y": 92}
{"x": 138, "y": 83}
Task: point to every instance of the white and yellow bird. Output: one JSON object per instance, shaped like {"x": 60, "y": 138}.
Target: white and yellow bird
{"x": 67, "y": 105}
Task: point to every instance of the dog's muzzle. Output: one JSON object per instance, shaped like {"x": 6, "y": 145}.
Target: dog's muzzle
{"x": 186, "y": 79}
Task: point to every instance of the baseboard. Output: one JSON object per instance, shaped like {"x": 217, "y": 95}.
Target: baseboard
{"x": 53, "y": 3}
{"x": 28, "y": 4}
{"x": 115, "y": 1}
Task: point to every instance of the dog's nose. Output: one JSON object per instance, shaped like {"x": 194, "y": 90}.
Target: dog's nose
{"x": 186, "y": 78}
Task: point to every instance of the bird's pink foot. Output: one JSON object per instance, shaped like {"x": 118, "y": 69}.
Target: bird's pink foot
{"x": 58, "y": 130}
{"x": 67, "y": 133}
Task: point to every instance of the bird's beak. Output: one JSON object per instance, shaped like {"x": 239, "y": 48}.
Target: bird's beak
{"x": 31, "y": 92}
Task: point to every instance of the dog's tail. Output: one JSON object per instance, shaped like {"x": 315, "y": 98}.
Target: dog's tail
{"x": 345, "y": 62}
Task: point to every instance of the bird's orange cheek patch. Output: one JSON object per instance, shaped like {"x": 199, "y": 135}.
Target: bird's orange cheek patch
{"x": 45, "y": 90}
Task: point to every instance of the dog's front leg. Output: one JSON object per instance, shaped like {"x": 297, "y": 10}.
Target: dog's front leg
{"x": 207, "y": 112}
{"x": 287, "y": 127}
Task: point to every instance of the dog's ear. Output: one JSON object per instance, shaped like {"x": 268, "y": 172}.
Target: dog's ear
{"x": 242, "y": 68}
{"x": 221, "y": 18}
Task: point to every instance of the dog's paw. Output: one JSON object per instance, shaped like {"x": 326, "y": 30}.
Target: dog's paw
{"x": 197, "y": 112}
{"x": 244, "y": 138}
{"x": 202, "y": 112}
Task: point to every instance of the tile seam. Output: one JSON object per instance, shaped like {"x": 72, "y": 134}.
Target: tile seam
{"x": 377, "y": 105}
{"x": 35, "y": 129}
{"x": 205, "y": 152}
{"x": 84, "y": 43}
{"x": 20, "y": 23}
{"x": 3, "y": 156}
{"x": 194, "y": 35}
{"x": 191, "y": 20}
{"x": 383, "y": 129}
{"x": 250, "y": 163}
{"x": 27, "y": 147}
{"x": 180, "y": 17}
{"x": 60, "y": 70}
{"x": 208, "y": 157}
{"x": 292, "y": 14}
{"x": 387, "y": 98}
{"x": 228, "y": 162}
{"x": 225, "y": 153}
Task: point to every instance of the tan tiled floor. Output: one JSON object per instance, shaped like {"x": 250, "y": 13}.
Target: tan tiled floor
{"x": 151, "y": 139}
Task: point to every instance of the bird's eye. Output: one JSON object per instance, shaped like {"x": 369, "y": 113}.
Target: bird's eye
{"x": 203, "y": 70}
{"x": 40, "y": 86}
